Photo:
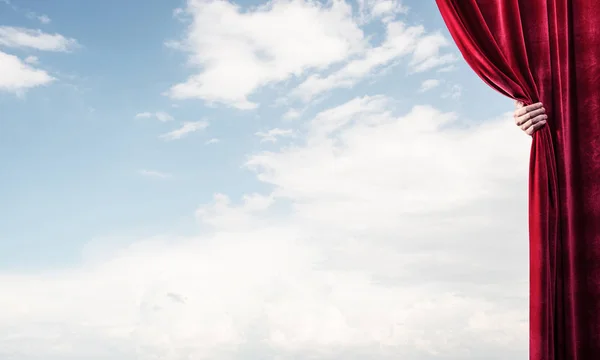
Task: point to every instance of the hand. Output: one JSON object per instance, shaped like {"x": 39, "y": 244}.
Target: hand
{"x": 530, "y": 118}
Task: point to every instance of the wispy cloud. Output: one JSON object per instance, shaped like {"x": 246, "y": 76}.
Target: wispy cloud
{"x": 428, "y": 53}
{"x": 213, "y": 141}
{"x": 454, "y": 92}
{"x": 32, "y": 60}
{"x": 9, "y": 4}
{"x": 385, "y": 10}
{"x": 448, "y": 68}
{"x": 44, "y": 19}
{"x": 186, "y": 129}
{"x": 160, "y": 116}
{"x": 401, "y": 41}
{"x": 155, "y": 174}
{"x": 429, "y": 84}
{"x": 273, "y": 134}
{"x": 17, "y": 37}
{"x": 292, "y": 114}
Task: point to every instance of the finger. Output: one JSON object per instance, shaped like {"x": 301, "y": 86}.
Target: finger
{"x": 522, "y": 111}
{"x": 535, "y": 127}
{"x": 533, "y": 121}
{"x": 530, "y": 115}
{"x": 523, "y": 119}
{"x": 519, "y": 104}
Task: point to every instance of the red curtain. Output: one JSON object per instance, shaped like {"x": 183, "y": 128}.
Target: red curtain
{"x": 549, "y": 51}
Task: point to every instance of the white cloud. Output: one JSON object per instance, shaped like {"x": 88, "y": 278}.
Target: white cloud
{"x": 273, "y": 134}
{"x": 380, "y": 9}
{"x": 185, "y": 129}
{"x": 163, "y": 116}
{"x": 453, "y": 92}
{"x": 155, "y": 174}
{"x": 329, "y": 121}
{"x": 144, "y": 115}
{"x": 160, "y": 116}
{"x": 292, "y": 114}
{"x": 395, "y": 246}
{"x": 429, "y": 84}
{"x": 427, "y": 55}
{"x": 44, "y": 19}
{"x": 400, "y": 41}
{"x": 223, "y": 214}
{"x": 238, "y": 52}
{"x": 17, "y": 76}
{"x": 178, "y": 12}
{"x": 35, "y": 39}
{"x": 213, "y": 141}
{"x": 448, "y": 68}
{"x": 32, "y": 60}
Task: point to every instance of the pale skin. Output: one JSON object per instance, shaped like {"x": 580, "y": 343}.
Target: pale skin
{"x": 530, "y": 118}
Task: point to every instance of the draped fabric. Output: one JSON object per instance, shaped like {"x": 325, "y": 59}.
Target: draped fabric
{"x": 548, "y": 51}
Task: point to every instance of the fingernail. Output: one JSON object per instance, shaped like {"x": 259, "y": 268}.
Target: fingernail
{"x": 543, "y": 121}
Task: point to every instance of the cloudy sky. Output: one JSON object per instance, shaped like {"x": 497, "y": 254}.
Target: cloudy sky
{"x": 257, "y": 180}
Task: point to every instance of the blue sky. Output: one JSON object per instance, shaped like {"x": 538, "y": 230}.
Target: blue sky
{"x": 387, "y": 116}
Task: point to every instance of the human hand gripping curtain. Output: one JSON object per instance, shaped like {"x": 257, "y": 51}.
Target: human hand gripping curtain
{"x": 530, "y": 118}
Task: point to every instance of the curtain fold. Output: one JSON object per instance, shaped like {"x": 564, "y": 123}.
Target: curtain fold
{"x": 548, "y": 51}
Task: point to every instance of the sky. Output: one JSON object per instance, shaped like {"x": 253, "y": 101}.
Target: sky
{"x": 254, "y": 180}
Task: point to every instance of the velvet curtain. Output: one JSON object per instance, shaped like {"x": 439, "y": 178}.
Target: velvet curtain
{"x": 548, "y": 51}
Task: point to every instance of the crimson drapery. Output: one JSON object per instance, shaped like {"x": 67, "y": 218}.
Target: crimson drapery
{"x": 548, "y": 51}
